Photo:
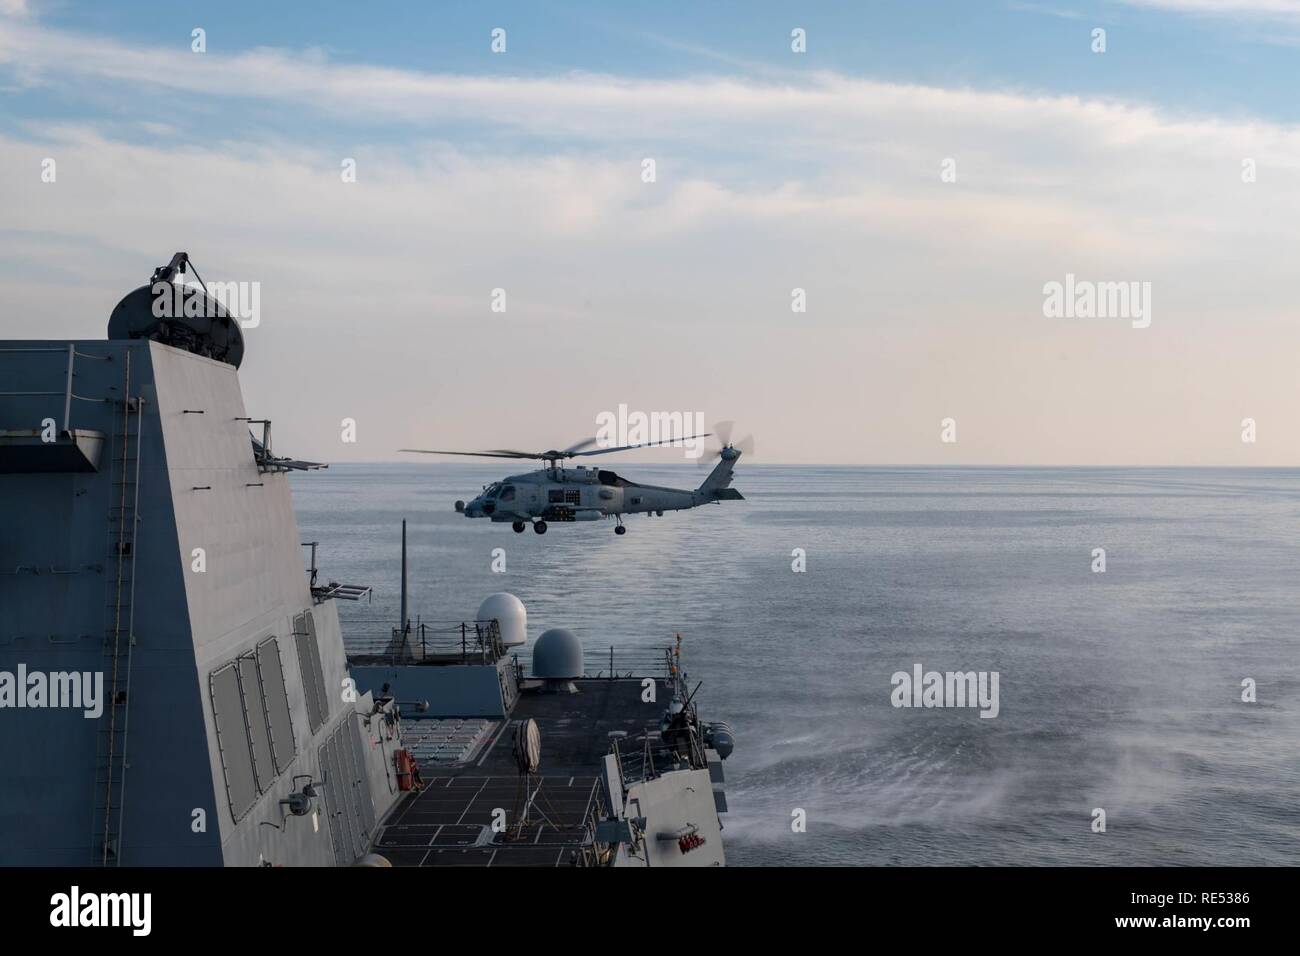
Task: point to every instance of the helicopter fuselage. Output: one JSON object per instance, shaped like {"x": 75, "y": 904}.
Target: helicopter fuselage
{"x": 563, "y": 494}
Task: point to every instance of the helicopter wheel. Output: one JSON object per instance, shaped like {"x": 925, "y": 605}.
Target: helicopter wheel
{"x": 539, "y": 527}
{"x": 620, "y": 530}
{"x": 519, "y": 527}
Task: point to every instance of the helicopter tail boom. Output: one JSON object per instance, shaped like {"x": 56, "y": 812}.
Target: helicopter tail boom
{"x": 716, "y": 485}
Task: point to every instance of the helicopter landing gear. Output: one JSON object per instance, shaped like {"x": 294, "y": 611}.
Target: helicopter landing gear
{"x": 519, "y": 527}
{"x": 539, "y": 527}
{"x": 619, "y": 529}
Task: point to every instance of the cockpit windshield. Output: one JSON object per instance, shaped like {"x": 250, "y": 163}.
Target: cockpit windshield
{"x": 492, "y": 490}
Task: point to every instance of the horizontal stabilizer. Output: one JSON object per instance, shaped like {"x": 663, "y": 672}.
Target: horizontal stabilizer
{"x": 728, "y": 494}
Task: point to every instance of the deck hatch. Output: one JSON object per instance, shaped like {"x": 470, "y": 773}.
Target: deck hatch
{"x": 329, "y": 790}
{"x": 338, "y": 783}
{"x": 313, "y": 679}
{"x": 346, "y": 789}
{"x": 365, "y": 803}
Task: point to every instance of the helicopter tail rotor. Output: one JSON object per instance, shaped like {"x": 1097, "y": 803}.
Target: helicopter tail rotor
{"x": 723, "y": 430}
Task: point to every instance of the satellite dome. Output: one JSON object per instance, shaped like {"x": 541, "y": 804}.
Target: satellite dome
{"x": 557, "y": 655}
{"x": 509, "y": 613}
{"x": 181, "y": 315}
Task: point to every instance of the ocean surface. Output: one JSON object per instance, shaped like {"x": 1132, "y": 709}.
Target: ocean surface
{"x": 1118, "y": 690}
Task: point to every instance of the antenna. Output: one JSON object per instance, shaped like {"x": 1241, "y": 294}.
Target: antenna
{"x": 406, "y": 620}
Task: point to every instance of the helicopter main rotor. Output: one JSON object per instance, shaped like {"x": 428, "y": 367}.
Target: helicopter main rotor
{"x": 554, "y": 456}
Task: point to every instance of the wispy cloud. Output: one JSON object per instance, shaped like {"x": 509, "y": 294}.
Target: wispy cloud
{"x": 1044, "y": 9}
{"x": 925, "y": 296}
{"x": 1227, "y": 8}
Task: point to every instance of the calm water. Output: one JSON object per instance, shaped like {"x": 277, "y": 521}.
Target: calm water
{"x": 1118, "y": 690}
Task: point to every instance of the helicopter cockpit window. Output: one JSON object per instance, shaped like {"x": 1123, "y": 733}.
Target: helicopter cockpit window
{"x": 508, "y": 493}
{"x": 492, "y": 490}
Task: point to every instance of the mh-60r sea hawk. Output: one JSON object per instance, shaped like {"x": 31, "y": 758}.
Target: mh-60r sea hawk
{"x": 557, "y": 493}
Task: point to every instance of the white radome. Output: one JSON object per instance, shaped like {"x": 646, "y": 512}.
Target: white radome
{"x": 509, "y": 612}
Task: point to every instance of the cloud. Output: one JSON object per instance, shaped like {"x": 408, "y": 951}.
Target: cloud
{"x": 1246, "y": 8}
{"x": 924, "y": 296}
{"x": 824, "y": 109}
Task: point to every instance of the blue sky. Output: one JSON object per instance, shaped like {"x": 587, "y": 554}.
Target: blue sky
{"x": 1237, "y": 62}
{"x": 775, "y": 171}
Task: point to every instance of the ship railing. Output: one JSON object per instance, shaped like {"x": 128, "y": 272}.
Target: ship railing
{"x": 651, "y": 755}
{"x": 612, "y": 663}
{"x": 616, "y": 663}
{"x": 424, "y": 642}
{"x": 592, "y": 853}
{"x": 66, "y": 393}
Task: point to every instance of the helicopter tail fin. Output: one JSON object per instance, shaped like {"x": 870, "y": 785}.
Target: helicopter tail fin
{"x": 716, "y": 486}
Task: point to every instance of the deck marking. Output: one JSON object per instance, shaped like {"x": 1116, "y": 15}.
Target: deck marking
{"x": 500, "y": 734}
{"x": 477, "y": 793}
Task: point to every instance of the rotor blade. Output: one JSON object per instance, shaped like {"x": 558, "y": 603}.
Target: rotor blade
{"x": 645, "y": 444}
{"x": 745, "y": 446}
{"x": 471, "y": 454}
{"x": 585, "y": 443}
{"x": 723, "y": 431}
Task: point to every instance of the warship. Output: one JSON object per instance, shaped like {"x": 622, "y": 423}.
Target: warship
{"x": 176, "y": 690}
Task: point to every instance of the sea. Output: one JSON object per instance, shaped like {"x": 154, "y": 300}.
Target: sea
{"x": 1143, "y": 625}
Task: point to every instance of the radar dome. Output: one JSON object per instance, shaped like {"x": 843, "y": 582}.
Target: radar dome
{"x": 557, "y": 655}
{"x": 509, "y": 613}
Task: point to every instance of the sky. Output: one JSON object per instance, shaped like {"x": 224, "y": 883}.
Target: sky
{"x": 922, "y": 172}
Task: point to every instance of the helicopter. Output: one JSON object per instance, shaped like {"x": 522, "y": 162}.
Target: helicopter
{"x": 570, "y": 494}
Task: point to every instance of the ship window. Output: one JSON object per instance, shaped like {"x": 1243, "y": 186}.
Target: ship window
{"x": 313, "y": 679}
{"x": 277, "y": 703}
{"x": 508, "y": 493}
{"x": 232, "y": 740}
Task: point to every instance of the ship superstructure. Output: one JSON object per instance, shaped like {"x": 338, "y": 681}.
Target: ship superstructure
{"x": 174, "y": 689}
{"x": 625, "y": 774}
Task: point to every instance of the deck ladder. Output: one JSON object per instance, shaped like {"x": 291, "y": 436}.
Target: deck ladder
{"x": 119, "y": 638}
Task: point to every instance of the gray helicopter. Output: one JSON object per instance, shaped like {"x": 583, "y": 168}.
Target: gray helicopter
{"x": 559, "y": 493}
